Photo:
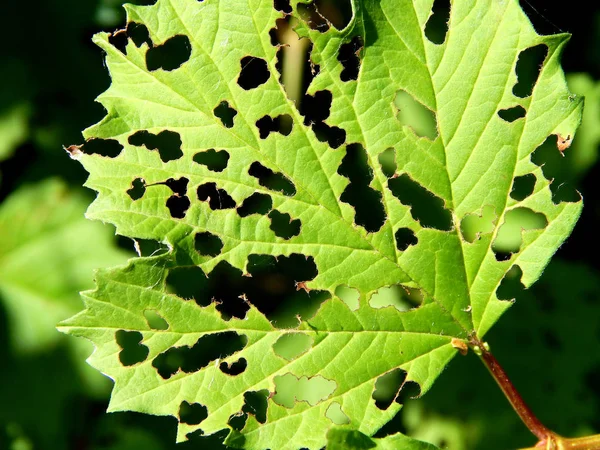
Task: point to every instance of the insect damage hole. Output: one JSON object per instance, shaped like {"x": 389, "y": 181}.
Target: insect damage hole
{"x": 292, "y": 345}
{"x": 512, "y": 114}
{"x": 425, "y": 207}
{"x": 550, "y": 159}
{"x": 214, "y": 160}
{"x": 400, "y": 297}
{"x": 310, "y": 14}
{"x": 283, "y": 6}
{"x": 511, "y": 286}
{"x": 349, "y": 58}
{"x": 281, "y": 124}
{"x": 283, "y": 225}
{"x": 273, "y": 288}
{"x": 256, "y": 404}
{"x": 224, "y": 285}
{"x": 217, "y": 198}
{"x": 136, "y": 32}
{"x": 208, "y": 244}
{"x": 474, "y": 225}
{"x": 290, "y": 389}
{"x": 316, "y": 109}
{"x": 436, "y": 27}
{"x": 155, "y": 320}
{"x": 257, "y": 203}
{"x": 254, "y": 72}
{"x": 191, "y": 359}
{"x": 412, "y": 113}
{"x": 387, "y": 160}
{"x": 528, "y": 69}
{"x": 405, "y": 237}
{"x": 234, "y": 368}
{"x": 110, "y": 148}
{"x": 138, "y": 189}
{"x": 132, "y": 350}
{"x": 366, "y": 201}
{"x": 336, "y": 415}
{"x": 523, "y": 187}
{"x": 271, "y": 180}
{"x": 510, "y": 235}
{"x": 168, "y": 143}
{"x": 192, "y": 413}
{"x": 225, "y": 113}
{"x": 170, "y": 55}
{"x": 350, "y": 296}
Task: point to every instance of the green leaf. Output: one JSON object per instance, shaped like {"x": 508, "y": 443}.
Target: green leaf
{"x": 223, "y": 170}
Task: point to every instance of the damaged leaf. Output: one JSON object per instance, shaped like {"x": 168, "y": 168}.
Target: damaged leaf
{"x": 381, "y": 209}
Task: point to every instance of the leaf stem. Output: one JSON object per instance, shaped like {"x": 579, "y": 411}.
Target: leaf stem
{"x": 548, "y": 440}
{"x": 511, "y": 393}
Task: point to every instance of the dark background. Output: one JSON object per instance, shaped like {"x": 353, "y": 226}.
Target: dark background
{"x": 549, "y": 342}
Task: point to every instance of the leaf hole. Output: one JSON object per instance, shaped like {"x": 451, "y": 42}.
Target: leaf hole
{"x": 350, "y": 296}
{"x": 388, "y": 387}
{"x": 436, "y": 27}
{"x": 214, "y": 160}
{"x": 274, "y": 288}
{"x": 235, "y": 368}
{"x": 225, "y": 113}
{"x": 512, "y": 114}
{"x": 290, "y": 389}
{"x": 178, "y": 206}
{"x": 254, "y": 72}
{"x": 168, "y": 143}
{"x": 217, "y": 198}
{"x": 132, "y": 350}
{"x": 510, "y": 235}
{"x": 425, "y": 207}
{"x": 511, "y": 286}
{"x": 208, "y": 244}
{"x": 311, "y": 15}
{"x": 208, "y": 348}
{"x": 366, "y": 201}
{"x": 549, "y": 158}
{"x": 138, "y": 189}
{"x": 256, "y": 403}
{"x": 528, "y": 69}
{"x": 281, "y": 124}
{"x": 387, "y": 160}
{"x": 192, "y": 413}
{"x": 257, "y": 203}
{"x": 137, "y": 32}
{"x": 413, "y": 114}
{"x": 336, "y": 415}
{"x": 474, "y": 225}
{"x": 110, "y": 148}
{"x": 155, "y": 320}
{"x": 283, "y": 226}
{"x": 283, "y": 6}
{"x": 523, "y": 187}
{"x": 349, "y": 58}
{"x": 169, "y": 56}
{"x": 273, "y": 181}
{"x": 405, "y": 237}
{"x": 400, "y": 297}
{"x": 292, "y": 345}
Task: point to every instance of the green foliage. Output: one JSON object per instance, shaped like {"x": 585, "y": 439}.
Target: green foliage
{"x": 288, "y": 205}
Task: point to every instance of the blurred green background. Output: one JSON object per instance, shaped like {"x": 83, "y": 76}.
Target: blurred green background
{"x": 50, "y": 73}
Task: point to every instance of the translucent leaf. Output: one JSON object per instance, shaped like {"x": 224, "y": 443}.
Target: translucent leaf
{"x": 265, "y": 210}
